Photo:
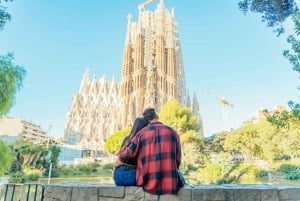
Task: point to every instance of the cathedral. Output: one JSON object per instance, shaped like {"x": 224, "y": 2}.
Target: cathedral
{"x": 152, "y": 74}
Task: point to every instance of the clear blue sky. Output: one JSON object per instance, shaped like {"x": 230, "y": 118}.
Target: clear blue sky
{"x": 224, "y": 52}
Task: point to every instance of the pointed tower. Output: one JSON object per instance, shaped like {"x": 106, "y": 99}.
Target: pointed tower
{"x": 152, "y": 69}
{"x": 196, "y": 111}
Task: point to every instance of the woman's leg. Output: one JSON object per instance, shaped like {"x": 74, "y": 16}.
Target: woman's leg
{"x": 125, "y": 176}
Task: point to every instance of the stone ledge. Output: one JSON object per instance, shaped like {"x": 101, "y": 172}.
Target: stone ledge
{"x": 86, "y": 192}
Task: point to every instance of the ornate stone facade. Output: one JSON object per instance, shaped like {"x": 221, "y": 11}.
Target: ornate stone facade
{"x": 152, "y": 74}
{"x": 94, "y": 114}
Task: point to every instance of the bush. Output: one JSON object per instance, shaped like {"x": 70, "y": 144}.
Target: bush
{"x": 17, "y": 177}
{"x": 33, "y": 177}
{"x": 190, "y": 167}
{"x": 287, "y": 168}
{"x": 210, "y": 174}
{"x": 293, "y": 175}
{"x": 282, "y": 157}
{"x": 108, "y": 166}
{"x": 261, "y": 174}
{"x": 54, "y": 172}
{"x": 290, "y": 171}
{"x": 226, "y": 180}
{"x": 32, "y": 174}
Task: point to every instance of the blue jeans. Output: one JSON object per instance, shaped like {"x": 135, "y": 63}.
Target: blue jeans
{"x": 125, "y": 176}
{"x": 181, "y": 180}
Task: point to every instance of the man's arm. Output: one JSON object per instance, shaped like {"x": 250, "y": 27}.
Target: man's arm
{"x": 130, "y": 152}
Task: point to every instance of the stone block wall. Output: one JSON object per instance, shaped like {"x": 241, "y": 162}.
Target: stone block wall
{"x": 81, "y": 192}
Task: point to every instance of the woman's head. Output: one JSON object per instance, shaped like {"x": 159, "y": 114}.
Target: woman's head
{"x": 138, "y": 124}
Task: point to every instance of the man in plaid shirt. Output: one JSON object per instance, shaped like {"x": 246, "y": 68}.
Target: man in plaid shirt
{"x": 157, "y": 150}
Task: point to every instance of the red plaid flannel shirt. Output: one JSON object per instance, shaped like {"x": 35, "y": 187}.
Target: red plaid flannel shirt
{"x": 157, "y": 150}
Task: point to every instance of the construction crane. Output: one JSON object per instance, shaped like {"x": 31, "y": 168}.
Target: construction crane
{"x": 225, "y": 104}
{"x": 143, "y": 5}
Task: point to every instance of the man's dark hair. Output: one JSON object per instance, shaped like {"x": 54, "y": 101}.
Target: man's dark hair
{"x": 149, "y": 114}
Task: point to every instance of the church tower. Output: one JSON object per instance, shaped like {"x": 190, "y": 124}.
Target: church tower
{"x": 152, "y": 68}
{"x": 152, "y": 74}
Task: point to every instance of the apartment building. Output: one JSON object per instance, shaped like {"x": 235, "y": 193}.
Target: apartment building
{"x": 13, "y": 129}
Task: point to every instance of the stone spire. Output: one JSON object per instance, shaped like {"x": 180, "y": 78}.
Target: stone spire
{"x": 128, "y": 34}
{"x": 160, "y": 18}
{"x": 196, "y": 111}
{"x": 84, "y": 86}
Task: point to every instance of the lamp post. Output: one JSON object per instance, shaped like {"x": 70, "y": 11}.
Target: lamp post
{"x": 49, "y": 174}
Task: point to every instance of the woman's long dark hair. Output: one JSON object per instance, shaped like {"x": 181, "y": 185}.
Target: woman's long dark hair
{"x": 138, "y": 124}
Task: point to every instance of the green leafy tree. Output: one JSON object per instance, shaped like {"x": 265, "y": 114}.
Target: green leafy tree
{"x": 288, "y": 122}
{"x": 287, "y": 119}
{"x": 34, "y": 157}
{"x": 274, "y": 12}
{"x": 180, "y": 118}
{"x": 114, "y": 142}
{"x": 264, "y": 141}
{"x": 4, "y": 15}
{"x": 11, "y": 79}
{"x": 215, "y": 142}
{"x": 293, "y": 55}
{"x": 245, "y": 140}
{"x": 187, "y": 126}
{"x": 29, "y": 155}
{"x": 11, "y": 75}
{"x": 6, "y": 157}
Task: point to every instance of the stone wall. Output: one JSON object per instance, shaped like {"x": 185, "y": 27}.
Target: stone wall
{"x": 76, "y": 192}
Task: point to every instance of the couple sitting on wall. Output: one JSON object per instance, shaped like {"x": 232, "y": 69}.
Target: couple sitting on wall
{"x": 150, "y": 157}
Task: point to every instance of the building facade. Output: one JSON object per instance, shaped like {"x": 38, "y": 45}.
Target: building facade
{"x": 14, "y": 129}
{"x": 152, "y": 74}
{"x": 94, "y": 115}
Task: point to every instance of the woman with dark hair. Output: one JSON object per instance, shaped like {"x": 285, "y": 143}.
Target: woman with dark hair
{"x": 125, "y": 175}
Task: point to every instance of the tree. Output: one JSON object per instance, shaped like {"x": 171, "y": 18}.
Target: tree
{"x": 28, "y": 155}
{"x": 287, "y": 119}
{"x": 6, "y": 157}
{"x": 180, "y": 118}
{"x": 244, "y": 140}
{"x": 274, "y": 12}
{"x": 114, "y": 142}
{"x": 293, "y": 55}
{"x": 263, "y": 140}
{"x": 11, "y": 79}
{"x": 11, "y": 75}
{"x": 4, "y": 15}
{"x": 187, "y": 126}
